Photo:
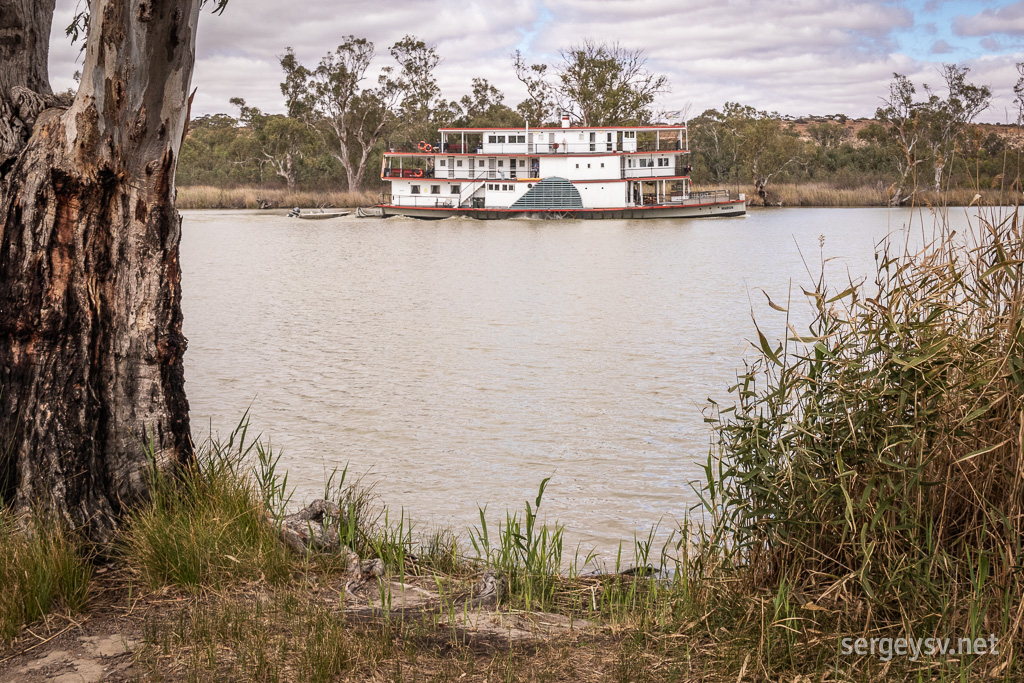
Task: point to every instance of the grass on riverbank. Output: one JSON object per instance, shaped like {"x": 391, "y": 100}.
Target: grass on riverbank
{"x": 42, "y": 569}
{"x": 825, "y": 195}
{"x": 794, "y": 194}
{"x": 208, "y": 197}
{"x": 868, "y": 482}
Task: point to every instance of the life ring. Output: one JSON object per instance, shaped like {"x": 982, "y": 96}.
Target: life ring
{"x": 423, "y": 145}
{"x": 418, "y": 173}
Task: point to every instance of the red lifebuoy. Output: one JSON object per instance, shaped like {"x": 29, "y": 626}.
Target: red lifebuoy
{"x": 418, "y": 173}
{"x": 423, "y": 145}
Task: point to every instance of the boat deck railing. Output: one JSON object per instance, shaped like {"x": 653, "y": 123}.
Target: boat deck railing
{"x": 514, "y": 174}
{"x": 416, "y": 200}
{"x": 707, "y": 197}
{"x": 458, "y": 173}
{"x": 525, "y": 148}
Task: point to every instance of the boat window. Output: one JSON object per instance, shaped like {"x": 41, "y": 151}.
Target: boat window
{"x": 435, "y": 189}
{"x": 522, "y": 163}
{"x": 522, "y": 138}
{"x": 577, "y": 165}
{"x": 441, "y": 162}
{"x": 415, "y": 189}
{"x": 454, "y": 189}
{"x": 458, "y": 164}
{"x": 501, "y": 163}
{"x": 501, "y": 138}
{"x": 481, "y": 163}
{"x": 588, "y": 165}
{"x": 602, "y": 165}
{"x": 609, "y": 137}
{"x": 491, "y": 139}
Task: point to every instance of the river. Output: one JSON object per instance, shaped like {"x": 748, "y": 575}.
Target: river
{"x": 457, "y": 363}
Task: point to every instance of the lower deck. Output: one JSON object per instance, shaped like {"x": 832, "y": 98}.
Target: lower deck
{"x": 724, "y": 207}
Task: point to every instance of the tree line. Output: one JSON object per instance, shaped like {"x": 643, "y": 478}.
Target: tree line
{"x": 339, "y": 121}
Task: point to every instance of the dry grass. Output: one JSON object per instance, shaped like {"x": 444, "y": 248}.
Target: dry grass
{"x": 826, "y": 195}
{"x": 872, "y": 466}
{"x": 207, "y": 197}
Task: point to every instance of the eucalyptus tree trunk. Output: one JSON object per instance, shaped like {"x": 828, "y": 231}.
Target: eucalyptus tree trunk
{"x": 91, "y": 378}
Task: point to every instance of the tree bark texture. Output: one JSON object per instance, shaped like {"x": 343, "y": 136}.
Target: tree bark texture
{"x": 91, "y": 347}
{"x": 24, "y": 79}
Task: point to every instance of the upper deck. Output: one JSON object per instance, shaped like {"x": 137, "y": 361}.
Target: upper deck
{"x": 565, "y": 140}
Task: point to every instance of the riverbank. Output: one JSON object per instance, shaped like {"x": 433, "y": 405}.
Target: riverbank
{"x": 862, "y": 492}
{"x": 823, "y": 195}
{"x": 208, "y": 197}
{"x": 820, "y": 195}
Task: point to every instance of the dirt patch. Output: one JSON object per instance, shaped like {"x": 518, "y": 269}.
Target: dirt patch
{"x": 448, "y": 625}
{"x": 71, "y": 657}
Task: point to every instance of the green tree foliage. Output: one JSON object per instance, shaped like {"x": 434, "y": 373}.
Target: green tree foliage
{"x": 925, "y": 134}
{"x": 539, "y": 107}
{"x": 743, "y": 144}
{"x": 337, "y": 125}
{"x": 277, "y": 142}
{"x": 596, "y": 83}
{"x": 352, "y": 119}
{"x": 216, "y": 152}
{"x": 605, "y": 84}
{"x": 485, "y": 106}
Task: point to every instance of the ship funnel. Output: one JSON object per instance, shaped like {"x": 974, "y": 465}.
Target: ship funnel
{"x": 565, "y": 120}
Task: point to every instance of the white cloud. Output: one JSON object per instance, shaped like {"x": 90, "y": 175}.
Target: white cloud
{"x": 792, "y": 56}
{"x": 1008, "y": 19}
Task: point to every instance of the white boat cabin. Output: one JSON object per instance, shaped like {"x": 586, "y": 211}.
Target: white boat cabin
{"x": 610, "y": 167}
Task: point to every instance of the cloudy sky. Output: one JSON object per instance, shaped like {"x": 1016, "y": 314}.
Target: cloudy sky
{"x": 793, "y": 56}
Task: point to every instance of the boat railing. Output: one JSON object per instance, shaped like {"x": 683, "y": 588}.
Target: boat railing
{"x": 560, "y": 146}
{"x": 706, "y": 197}
{"x": 416, "y": 200}
{"x": 654, "y": 172}
{"x": 412, "y": 173}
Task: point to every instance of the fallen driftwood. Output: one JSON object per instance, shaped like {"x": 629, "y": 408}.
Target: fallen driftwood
{"x": 313, "y": 528}
{"x": 488, "y": 590}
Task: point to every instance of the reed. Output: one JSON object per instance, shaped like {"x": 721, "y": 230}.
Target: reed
{"x": 209, "y": 197}
{"x": 828, "y": 195}
{"x": 872, "y": 466}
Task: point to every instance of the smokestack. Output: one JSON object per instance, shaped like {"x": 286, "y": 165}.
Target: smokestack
{"x": 565, "y": 120}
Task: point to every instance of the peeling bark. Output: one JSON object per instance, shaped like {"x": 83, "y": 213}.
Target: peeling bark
{"x": 91, "y": 376}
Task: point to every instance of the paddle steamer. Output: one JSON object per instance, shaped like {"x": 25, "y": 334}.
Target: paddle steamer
{"x": 567, "y": 172}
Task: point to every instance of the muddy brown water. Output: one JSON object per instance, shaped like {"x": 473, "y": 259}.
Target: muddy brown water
{"x": 458, "y": 363}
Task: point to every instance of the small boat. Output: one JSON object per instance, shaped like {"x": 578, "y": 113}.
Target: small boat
{"x": 316, "y": 215}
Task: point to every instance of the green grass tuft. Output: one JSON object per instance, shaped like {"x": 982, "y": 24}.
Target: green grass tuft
{"x": 211, "y": 524}
{"x": 42, "y": 568}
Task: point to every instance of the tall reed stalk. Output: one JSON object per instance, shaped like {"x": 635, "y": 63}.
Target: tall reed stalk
{"x": 875, "y": 462}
